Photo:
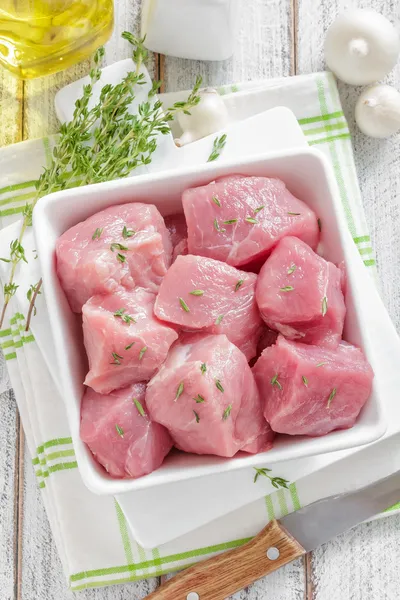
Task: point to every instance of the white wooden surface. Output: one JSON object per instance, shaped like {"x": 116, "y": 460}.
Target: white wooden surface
{"x": 276, "y": 37}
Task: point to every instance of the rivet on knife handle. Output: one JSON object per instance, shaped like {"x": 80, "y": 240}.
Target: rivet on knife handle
{"x": 219, "y": 577}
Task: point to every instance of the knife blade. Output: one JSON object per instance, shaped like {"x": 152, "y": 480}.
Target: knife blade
{"x": 280, "y": 542}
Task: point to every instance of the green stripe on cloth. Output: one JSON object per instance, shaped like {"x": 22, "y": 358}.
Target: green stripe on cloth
{"x": 394, "y": 507}
{"x": 362, "y": 238}
{"x": 47, "y": 150}
{"x": 365, "y": 250}
{"x": 12, "y": 211}
{"x": 60, "y": 454}
{"x": 10, "y": 356}
{"x": 5, "y": 332}
{"x": 106, "y": 582}
{"x": 270, "y": 508}
{"x": 55, "y": 468}
{"x": 52, "y": 443}
{"x": 370, "y": 262}
{"x": 17, "y": 317}
{"x": 295, "y": 497}
{"x": 20, "y": 198}
{"x": 172, "y": 558}
{"x": 335, "y": 160}
{"x": 325, "y": 128}
{"x": 323, "y": 117}
{"x": 331, "y": 138}
{"x": 123, "y": 527}
{"x": 282, "y": 502}
{"x": 7, "y": 344}
{"x": 17, "y": 186}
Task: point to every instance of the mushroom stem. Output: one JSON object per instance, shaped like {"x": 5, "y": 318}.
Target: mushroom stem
{"x": 359, "y": 46}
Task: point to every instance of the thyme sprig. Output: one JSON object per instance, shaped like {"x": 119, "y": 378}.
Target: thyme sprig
{"x": 277, "y": 482}
{"x": 218, "y": 146}
{"x": 101, "y": 142}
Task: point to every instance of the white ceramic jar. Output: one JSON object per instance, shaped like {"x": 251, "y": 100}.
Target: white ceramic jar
{"x": 196, "y": 29}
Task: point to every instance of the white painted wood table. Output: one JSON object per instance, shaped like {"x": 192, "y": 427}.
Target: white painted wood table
{"x": 276, "y": 37}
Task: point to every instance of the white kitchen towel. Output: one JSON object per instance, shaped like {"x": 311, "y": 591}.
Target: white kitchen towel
{"x": 91, "y": 532}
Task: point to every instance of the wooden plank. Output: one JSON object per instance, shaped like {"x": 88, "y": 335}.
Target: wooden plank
{"x": 11, "y": 100}
{"x": 360, "y": 564}
{"x": 263, "y": 49}
{"x": 9, "y": 426}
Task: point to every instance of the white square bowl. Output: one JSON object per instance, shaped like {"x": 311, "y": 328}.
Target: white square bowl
{"x": 309, "y": 176}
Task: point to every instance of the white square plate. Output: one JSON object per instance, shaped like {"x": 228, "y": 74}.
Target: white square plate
{"x": 308, "y": 175}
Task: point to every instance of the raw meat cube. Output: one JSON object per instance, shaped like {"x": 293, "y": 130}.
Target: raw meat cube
{"x": 123, "y": 246}
{"x": 124, "y": 341}
{"x": 119, "y": 433}
{"x": 205, "y": 395}
{"x": 309, "y": 390}
{"x": 299, "y": 294}
{"x": 176, "y": 225}
{"x": 240, "y": 219}
{"x": 202, "y": 293}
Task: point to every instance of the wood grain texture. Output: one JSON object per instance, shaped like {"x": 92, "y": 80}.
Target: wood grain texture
{"x": 263, "y": 49}
{"x": 233, "y": 571}
{"x": 9, "y": 425}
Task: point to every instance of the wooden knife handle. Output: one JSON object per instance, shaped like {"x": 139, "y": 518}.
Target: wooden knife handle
{"x": 219, "y": 577}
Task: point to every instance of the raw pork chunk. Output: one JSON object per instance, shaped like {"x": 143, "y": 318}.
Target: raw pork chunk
{"x": 240, "y": 219}
{"x": 124, "y": 341}
{"x": 119, "y": 433}
{"x": 299, "y": 294}
{"x": 308, "y": 390}
{"x": 206, "y": 396}
{"x": 202, "y": 293}
{"x": 123, "y": 246}
{"x": 176, "y": 225}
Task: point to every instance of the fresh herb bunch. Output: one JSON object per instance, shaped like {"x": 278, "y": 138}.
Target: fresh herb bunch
{"x": 101, "y": 143}
{"x": 277, "y": 482}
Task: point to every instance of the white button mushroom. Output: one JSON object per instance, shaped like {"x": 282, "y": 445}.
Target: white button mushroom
{"x": 361, "y": 47}
{"x": 378, "y": 111}
{"x": 208, "y": 116}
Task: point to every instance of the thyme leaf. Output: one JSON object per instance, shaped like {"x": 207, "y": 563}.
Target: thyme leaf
{"x": 139, "y": 407}
{"x": 227, "y": 412}
{"x": 179, "y": 391}
{"x": 184, "y": 305}
{"x": 97, "y": 234}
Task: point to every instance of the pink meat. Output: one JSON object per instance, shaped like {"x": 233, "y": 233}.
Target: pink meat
{"x": 176, "y": 225}
{"x": 127, "y": 347}
{"x": 119, "y": 433}
{"x": 239, "y": 219}
{"x": 204, "y": 294}
{"x": 205, "y": 395}
{"x": 88, "y": 266}
{"x": 299, "y": 294}
{"x": 309, "y": 390}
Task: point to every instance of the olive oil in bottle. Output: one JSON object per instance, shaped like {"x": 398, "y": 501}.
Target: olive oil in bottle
{"x": 38, "y": 37}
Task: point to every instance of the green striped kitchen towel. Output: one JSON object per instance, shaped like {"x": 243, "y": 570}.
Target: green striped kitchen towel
{"x": 91, "y": 532}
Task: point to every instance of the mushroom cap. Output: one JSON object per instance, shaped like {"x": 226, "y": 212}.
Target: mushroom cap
{"x": 361, "y": 46}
